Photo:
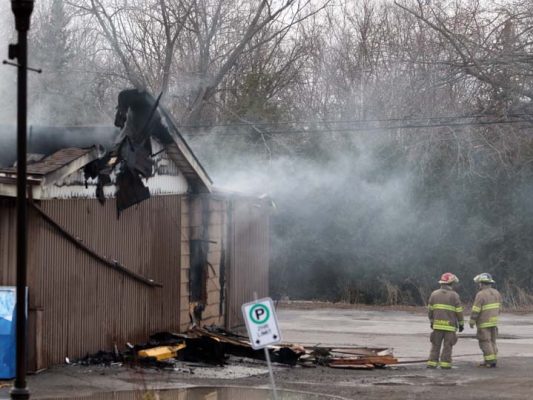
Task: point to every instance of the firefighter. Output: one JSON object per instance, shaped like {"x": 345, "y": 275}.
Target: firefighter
{"x": 485, "y": 312}
{"x": 446, "y": 316}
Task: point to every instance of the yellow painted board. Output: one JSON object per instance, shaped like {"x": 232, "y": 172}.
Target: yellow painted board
{"x": 162, "y": 353}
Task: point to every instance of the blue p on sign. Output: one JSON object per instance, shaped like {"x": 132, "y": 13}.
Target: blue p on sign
{"x": 261, "y": 323}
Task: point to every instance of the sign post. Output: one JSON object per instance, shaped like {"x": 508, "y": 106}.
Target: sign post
{"x": 263, "y": 329}
{"x": 22, "y": 10}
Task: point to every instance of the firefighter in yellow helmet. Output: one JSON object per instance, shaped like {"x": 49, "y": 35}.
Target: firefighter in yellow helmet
{"x": 485, "y": 313}
{"x": 446, "y": 316}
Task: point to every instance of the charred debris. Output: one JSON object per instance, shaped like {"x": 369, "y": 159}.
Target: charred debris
{"x": 126, "y": 151}
{"x": 131, "y": 157}
{"x": 213, "y": 346}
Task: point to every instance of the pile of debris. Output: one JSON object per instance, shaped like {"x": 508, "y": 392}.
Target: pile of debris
{"x": 351, "y": 357}
{"x": 213, "y": 345}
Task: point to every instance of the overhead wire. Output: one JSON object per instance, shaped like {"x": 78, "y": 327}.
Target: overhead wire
{"x": 349, "y": 121}
{"x": 362, "y": 128}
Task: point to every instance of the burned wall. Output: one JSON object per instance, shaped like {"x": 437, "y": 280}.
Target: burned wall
{"x": 234, "y": 231}
{"x": 203, "y": 243}
{"x": 80, "y": 305}
{"x": 77, "y": 304}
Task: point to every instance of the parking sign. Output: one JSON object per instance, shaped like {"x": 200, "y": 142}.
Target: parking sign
{"x": 261, "y": 323}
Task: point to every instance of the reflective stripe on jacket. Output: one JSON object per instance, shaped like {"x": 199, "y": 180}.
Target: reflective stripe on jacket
{"x": 445, "y": 310}
{"x": 486, "y": 308}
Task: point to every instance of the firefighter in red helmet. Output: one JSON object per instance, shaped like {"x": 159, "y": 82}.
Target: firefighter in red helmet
{"x": 446, "y": 317}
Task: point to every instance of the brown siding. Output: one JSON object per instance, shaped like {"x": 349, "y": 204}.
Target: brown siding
{"x": 185, "y": 262}
{"x": 78, "y": 305}
{"x": 248, "y": 257}
{"x": 7, "y": 242}
{"x": 86, "y": 306}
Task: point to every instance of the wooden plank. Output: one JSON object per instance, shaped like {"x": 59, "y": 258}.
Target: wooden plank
{"x": 213, "y": 297}
{"x": 184, "y": 276}
{"x": 195, "y": 232}
{"x": 217, "y": 245}
{"x": 184, "y": 303}
{"x": 184, "y": 317}
{"x": 184, "y": 205}
{"x": 184, "y": 290}
{"x": 185, "y": 235}
{"x": 214, "y": 258}
{"x": 211, "y": 321}
{"x": 375, "y": 360}
{"x": 211, "y": 310}
{"x": 185, "y": 248}
{"x": 362, "y": 366}
{"x": 185, "y": 261}
{"x": 215, "y": 234}
{"x": 216, "y": 218}
{"x": 213, "y": 286}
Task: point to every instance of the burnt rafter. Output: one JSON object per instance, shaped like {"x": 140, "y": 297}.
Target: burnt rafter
{"x": 139, "y": 120}
{"x": 114, "y": 264}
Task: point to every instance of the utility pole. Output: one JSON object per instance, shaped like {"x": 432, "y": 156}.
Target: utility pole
{"x": 22, "y": 10}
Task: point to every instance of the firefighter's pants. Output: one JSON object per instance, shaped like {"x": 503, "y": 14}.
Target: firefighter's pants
{"x": 446, "y": 340}
{"x": 487, "y": 343}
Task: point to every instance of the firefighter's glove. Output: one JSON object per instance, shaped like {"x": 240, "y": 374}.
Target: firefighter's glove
{"x": 472, "y": 323}
{"x": 461, "y": 328}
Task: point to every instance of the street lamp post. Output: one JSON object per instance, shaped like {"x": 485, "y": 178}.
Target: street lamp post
{"x": 22, "y": 10}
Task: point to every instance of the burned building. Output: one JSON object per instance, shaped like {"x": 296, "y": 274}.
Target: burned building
{"x": 185, "y": 253}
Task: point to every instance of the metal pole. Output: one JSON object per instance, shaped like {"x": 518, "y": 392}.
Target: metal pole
{"x": 271, "y": 373}
{"x": 22, "y": 10}
{"x": 269, "y": 364}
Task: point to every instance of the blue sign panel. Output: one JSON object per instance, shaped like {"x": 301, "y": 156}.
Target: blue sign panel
{"x": 7, "y": 332}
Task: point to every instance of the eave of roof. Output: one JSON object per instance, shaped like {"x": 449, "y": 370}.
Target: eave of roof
{"x": 54, "y": 167}
{"x": 184, "y": 157}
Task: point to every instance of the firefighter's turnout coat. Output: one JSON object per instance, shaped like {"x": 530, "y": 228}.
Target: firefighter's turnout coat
{"x": 445, "y": 310}
{"x": 485, "y": 314}
{"x": 486, "y": 308}
{"x": 446, "y": 315}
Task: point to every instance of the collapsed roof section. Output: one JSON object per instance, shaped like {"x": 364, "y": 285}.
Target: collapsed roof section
{"x": 48, "y": 170}
{"x": 62, "y": 175}
{"x": 147, "y": 161}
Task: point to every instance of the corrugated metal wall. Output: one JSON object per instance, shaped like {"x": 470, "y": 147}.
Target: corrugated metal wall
{"x": 248, "y": 258}
{"x": 78, "y": 305}
{"x": 7, "y": 242}
{"x": 85, "y": 305}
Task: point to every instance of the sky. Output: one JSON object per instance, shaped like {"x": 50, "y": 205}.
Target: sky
{"x": 8, "y": 74}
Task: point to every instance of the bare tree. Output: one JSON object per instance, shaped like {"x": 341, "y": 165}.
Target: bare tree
{"x": 142, "y": 34}
{"x": 489, "y": 42}
{"x": 192, "y": 40}
{"x": 219, "y": 51}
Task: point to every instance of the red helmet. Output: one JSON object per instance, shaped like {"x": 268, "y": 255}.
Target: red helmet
{"x": 448, "y": 278}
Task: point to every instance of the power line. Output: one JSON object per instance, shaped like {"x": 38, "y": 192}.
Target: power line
{"x": 369, "y": 128}
{"x": 349, "y": 121}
